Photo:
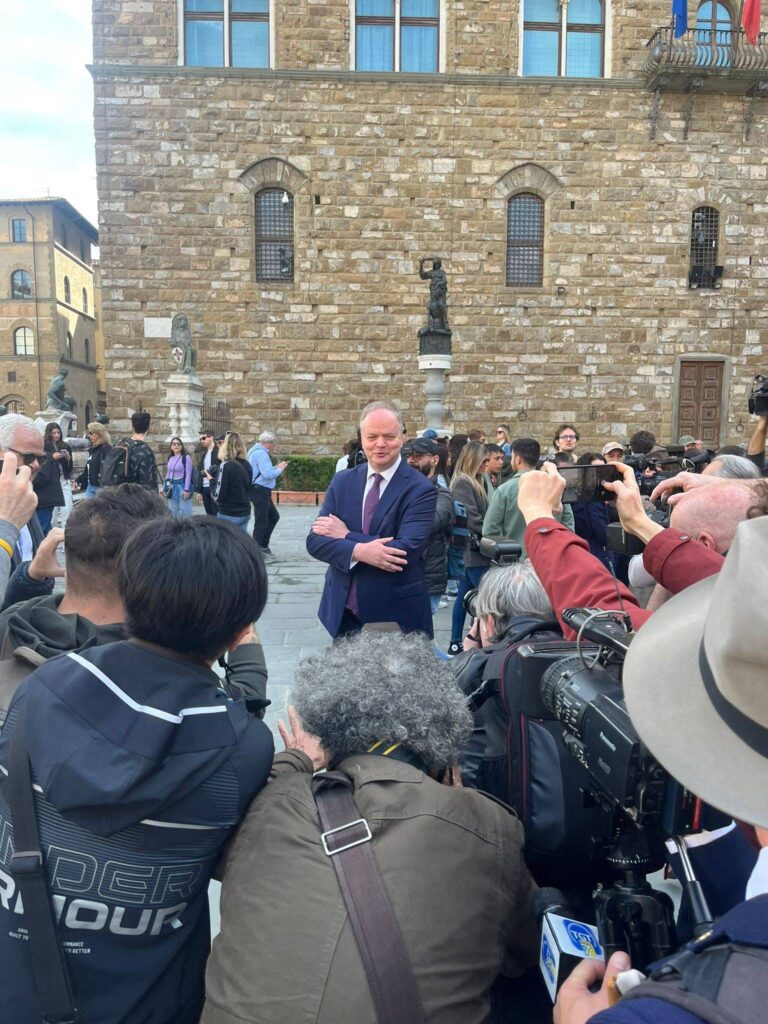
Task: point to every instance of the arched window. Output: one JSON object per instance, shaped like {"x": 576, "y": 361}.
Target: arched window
{"x": 85, "y": 300}
{"x": 88, "y": 413}
{"x": 69, "y": 346}
{"x": 21, "y": 285}
{"x": 24, "y": 341}
{"x": 525, "y": 240}
{"x": 67, "y": 292}
{"x": 705, "y": 227}
{"x": 274, "y": 235}
{"x": 13, "y": 403}
{"x": 714, "y": 35}
{"x": 564, "y": 38}
{"x": 87, "y": 350}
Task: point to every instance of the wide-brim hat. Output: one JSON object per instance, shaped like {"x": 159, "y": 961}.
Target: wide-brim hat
{"x": 696, "y": 682}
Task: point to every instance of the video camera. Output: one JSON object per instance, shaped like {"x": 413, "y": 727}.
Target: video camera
{"x": 617, "y": 539}
{"x": 758, "y": 400}
{"x": 638, "y": 804}
{"x": 501, "y": 552}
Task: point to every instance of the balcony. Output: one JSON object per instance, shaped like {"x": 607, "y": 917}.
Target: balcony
{"x": 707, "y": 60}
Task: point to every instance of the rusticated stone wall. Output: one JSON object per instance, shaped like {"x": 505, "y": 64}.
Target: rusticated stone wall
{"x": 385, "y": 169}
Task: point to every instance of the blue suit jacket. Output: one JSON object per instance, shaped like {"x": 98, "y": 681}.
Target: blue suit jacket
{"x": 406, "y": 512}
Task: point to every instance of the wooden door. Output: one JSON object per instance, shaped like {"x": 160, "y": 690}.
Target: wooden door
{"x": 701, "y": 392}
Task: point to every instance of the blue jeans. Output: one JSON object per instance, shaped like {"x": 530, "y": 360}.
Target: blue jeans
{"x": 241, "y": 521}
{"x": 181, "y": 508}
{"x": 91, "y": 491}
{"x": 44, "y": 517}
{"x": 472, "y": 577}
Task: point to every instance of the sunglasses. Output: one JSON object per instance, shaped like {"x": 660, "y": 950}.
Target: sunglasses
{"x": 27, "y": 458}
{"x": 499, "y": 431}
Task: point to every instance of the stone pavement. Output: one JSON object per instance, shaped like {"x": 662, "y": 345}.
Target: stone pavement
{"x": 289, "y": 628}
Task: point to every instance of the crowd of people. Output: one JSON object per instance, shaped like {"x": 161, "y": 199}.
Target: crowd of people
{"x": 132, "y": 772}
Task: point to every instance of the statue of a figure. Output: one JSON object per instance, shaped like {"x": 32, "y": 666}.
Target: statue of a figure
{"x": 437, "y": 307}
{"x": 57, "y": 398}
{"x": 182, "y": 352}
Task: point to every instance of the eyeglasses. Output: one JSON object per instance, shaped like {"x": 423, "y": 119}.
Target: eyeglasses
{"x": 27, "y": 458}
{"x": 568, "y": 437}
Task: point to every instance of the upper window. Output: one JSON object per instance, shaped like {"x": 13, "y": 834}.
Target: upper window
{"x": 525, "y": 240}
{"x": 69, "y": 346}
{"x": 87, "y": 350}
{"x": 397, "y": 35}
{"x": 704, "y": 271}
{"x": 713, "y": 38}
{"x": 67, "y": 292}
{"x": 274, "y": 235}
{"x": 21, "y": 285}
{"x": 24, "y": 341}
{"x": 18, "y": 230}
{"x": 226, "y": 33}
{"x": 563, "y": 39}
{"x": 85, "y": 300}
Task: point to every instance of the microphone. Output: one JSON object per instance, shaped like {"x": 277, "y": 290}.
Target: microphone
{"x": 564, "y": 941}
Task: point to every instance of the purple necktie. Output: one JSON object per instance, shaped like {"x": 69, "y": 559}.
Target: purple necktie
{"x": 371, "y": 501}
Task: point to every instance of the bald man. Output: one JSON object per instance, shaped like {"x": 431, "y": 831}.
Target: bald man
{"x": 710, "y": 515}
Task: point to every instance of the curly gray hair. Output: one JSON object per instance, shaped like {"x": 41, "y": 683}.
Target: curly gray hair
{"x": 375, "y": 686}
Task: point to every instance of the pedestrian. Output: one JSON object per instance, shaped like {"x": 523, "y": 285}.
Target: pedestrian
{"x": 177, "y": 487}
{"x": 424, "y": 455}
{"x": 503, "y": 439}
{"x": 468, "y": 487}
{"x": 566, "y": 438}
{"x": 233, "y": 482}
{"x": 265, "y": 514}
{"x": 142, "y": 768}
{"x": 20, "y": 435}
{"x": 90, "y": 479}
{"x": 47, "y": 482}
{"x": 131, "y": 460}
{"x": 61, "y": 454}
{"x": 207, "y": 468}
{"x": 372, "y": 531}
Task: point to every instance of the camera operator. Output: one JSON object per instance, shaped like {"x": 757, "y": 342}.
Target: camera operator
{"x": 756, "y": 447}
{"x": 511, "y": 605}
{"x": 704, "y": 639}
{"x": 572, "y": 577}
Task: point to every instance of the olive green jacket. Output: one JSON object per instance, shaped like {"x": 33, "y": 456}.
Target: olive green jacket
{"x": 451, "y": 861}
{"x": 504, "y": 519}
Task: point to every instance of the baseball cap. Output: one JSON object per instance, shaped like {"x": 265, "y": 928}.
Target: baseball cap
{"x": 611, "y": 447}
{"x": 687, "y": 439}
{"x": 421, "y": 446}
{"x": 429, "y": 433}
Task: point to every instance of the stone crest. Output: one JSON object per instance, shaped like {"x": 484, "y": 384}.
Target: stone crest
{"x": 182, "y": 352}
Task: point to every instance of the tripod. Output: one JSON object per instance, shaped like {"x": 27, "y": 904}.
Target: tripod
{"x": 631, "y": 914}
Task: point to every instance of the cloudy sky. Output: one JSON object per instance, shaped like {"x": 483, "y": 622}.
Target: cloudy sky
{"x": 46, "y": 103}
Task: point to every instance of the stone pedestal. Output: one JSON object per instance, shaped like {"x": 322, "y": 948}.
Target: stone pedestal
{"x": 67, "y": 421}
{"x": 184, "y": 398}
{"x": 434, "y": 367}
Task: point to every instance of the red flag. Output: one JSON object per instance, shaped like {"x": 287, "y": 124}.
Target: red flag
{"x": 750, "y": 19}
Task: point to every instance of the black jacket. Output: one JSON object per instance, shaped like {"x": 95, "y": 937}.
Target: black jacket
{"x": 145, "y": 767}
{"x": 91, "y": 475}
{"x": 47, "y": 485}
{"x": 436, "y": 554}
{"x": 233, "y": 488}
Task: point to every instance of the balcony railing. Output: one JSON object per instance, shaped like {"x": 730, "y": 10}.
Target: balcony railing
{"x": 700, "y": 50}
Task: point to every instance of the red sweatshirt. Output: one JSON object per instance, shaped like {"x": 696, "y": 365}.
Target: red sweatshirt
{"x": 573, "y": 578}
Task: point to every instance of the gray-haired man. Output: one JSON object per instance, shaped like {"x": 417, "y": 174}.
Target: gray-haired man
{"x": 265, "y": 514}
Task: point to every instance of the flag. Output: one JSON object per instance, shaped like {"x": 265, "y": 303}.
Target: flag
{"x": 680, "y": 15}
{"x": 750, "y": 20}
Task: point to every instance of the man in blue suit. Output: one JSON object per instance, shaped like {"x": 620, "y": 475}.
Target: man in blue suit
{"x": 372, "y": 531}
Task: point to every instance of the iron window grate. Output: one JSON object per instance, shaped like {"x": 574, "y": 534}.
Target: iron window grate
{"x": 705, "y": 227}
{"x": 274, "y": 235}
{"x": 525, "y": 240}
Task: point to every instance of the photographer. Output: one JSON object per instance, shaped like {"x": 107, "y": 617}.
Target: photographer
{"x": 704, "y": 639}
{"x": 511, "y": 605}
{"x": 756, "y": 448}
{"x": 573, "y": 577}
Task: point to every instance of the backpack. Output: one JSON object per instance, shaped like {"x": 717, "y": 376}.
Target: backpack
{"x": 115, "y": 466}
{"x": 717, "y": 979}
{"x": 526, "y": 765}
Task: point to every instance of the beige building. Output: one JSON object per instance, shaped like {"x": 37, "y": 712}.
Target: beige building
{"x": 595, "y": 187}
{"x": 48, "y": 306}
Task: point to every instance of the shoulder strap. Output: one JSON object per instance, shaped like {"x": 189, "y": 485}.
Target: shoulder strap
{"x": 346, "y": 840}
{"x": 49, "y": 969}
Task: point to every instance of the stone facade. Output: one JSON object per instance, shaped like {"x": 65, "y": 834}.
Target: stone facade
{"x": 57, "y": 255}
{"x": 385, "y": 168}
